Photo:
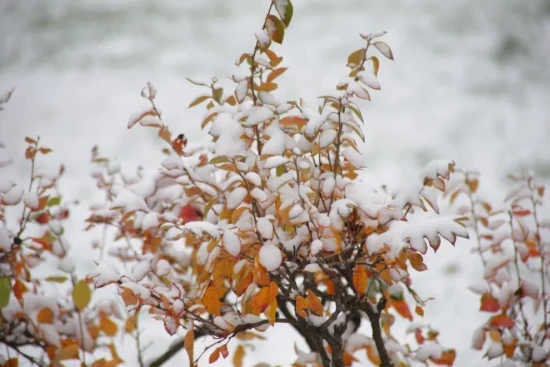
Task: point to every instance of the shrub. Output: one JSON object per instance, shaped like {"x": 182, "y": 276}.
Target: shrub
{"x": 271, "y": 223}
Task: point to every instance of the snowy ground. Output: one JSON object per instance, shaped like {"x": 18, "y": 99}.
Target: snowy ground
{"x": 470, "y": 82}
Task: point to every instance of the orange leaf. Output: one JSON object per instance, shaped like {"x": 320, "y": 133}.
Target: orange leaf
{"x": 18, "y": 289}
{"x": 447, "y": 358}
{"x": 501, "y": 320}
{"x": 402, "y": 308}
{"x": 262, "y": 299}
{"x": 275, "y": 73}
{"x": 14, "y": 362}
{"x": 267, "y": 87}
{"x": 188, "y": 344}
{"x": 243, "y": 284}
{"x": 301, "y": 306}
{"x": 131, "y": 324}
{"x": 314, "y": 303}
{"x": 373, "y": 356}
{"x": 214, "y": 356}
{"x": 271, "y": 312}
{"x": 489, "y": 303}
{"x": 419, "y": 311}
{"x": 522, "y": 213}
{"x": 211, "y": 300}
{"x": 360, "y": 280}
{"x": 69, "y": 351}
{"x": 128, "y": 296}
{"x": 289, "y": 121}
{"x": 107, "y": 325}
{"x": 45, "y": 316}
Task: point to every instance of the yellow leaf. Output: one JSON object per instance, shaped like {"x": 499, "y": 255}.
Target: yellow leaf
{"x": 131, "y": 324}
{"x": 267, "y": 87}
{"x": 82, "y": 294}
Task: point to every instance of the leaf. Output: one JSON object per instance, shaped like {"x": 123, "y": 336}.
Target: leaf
{"x": 261, "y": 300}
{"x": 447, "y": 358}
{"x": 30, "y": 140}
{"x": 276, "y": 28}
{"x": 211, "y": 300}
{"x": 522, "y": 212}
{"x": 301, "y": 306}
{"x": 131, "y": 324}
{"x": 188, "y": 344}
{"x": 107, "y": 325}
{"x": 214, "y": 355}
{"x": 18, "y": 289}
{"x": 285, "y": 10}
{"x": 217, "y": 94}
{"x": 69, "y": 351}
{"x": 419, "y": 311}
{"x": 5, "y": 291}
{"x": 275, "y": 74}
{"x": 267, "y": 87}
{"x": 13, "y": 362}
{"x": 473, "y": 184}
{"x": 402, "y": 308}
{"x": 54, "y": 201}
{"x": 375, "y": 64}
{"x": 356, "y": 57}
{"x": 45, "y": 316}
{"x": 45, "y": 150}
{"x": 360, "y": 280}
{"x": 57, "y": 279}
{"x": 384, "y": 49}
{"x": 165, "y": 135}
{"x": 314, "y": 303}
{"x": 271, "y": 312}
{"x": 82, "y": 294}
{"x": 199, "y": 100}
{"x": 373, "y": 356}
{"x": 489, "y": 303}
{"x": 238, "y": 355}
{"x": 502, "y": 320}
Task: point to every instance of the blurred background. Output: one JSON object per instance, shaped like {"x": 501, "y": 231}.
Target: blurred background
{"x": 470, "y": 82}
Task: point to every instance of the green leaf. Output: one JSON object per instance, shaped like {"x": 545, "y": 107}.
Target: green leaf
{"x": 285, "y": 10}
{"x": 280, "y": 170}
{"x": 219, "y": 159}
{"x": 57, "y": 279}
{"x": 276, "y": 28}
{"x": 82, "y": 294}
{"x": 54, "y": 201}
{"x": 5, "y": 291}
{"x": 199, "y": 100}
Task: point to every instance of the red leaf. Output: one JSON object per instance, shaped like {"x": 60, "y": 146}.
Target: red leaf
{"x": 501, "y": 320}
{"x": 489, "y": 303}
{"x": 188, "y": 214}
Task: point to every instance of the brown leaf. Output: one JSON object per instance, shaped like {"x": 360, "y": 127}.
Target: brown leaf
{"x": 107, "y": 325}
{"x": 188, "y": 344}
{"x": 238, "y": 356}
{"x": 275, "y": 74}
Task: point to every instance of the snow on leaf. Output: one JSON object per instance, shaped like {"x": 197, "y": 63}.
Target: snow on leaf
{"x": 265, "y": 228}
{"x": 384, "y": 49}
{"x": 258, "y": 115}
{"x": 231, "y": 243}
{"x": 13, "y": 196}
{"x": 236, "y": 197}
{"x": 150, "y": 220}
{"x": 129, "y": 201}
{"x": 31, "y": 200}
{"x": 270, "y": 257}
{"x": 354, "y": 157}
{"x": 327, "y": 137}
{"x": 369, "y": 79}
{"x": 285, "y": 10}
{"x": 275, "y": 161}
